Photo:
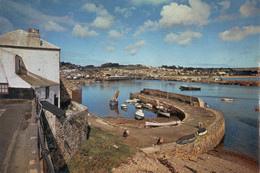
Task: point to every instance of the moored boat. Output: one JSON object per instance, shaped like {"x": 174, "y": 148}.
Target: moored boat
{"x": 154, "y": 124}
{"x": 202, "y": 132}
{"x": 114, "y": 101}
{"x": 139, "y": 115}
{"x": 186, "y": 139}
{"x": 227, "y": 99}
{"x": 182, "y": 88}
{"x": 138, "y": 105}
{"x": 148, "y": 106}
{"x": 164, "y": 113}
{"x": 123, "y": 106}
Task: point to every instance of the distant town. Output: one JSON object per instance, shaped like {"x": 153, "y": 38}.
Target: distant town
{"x": 115, "y": 71}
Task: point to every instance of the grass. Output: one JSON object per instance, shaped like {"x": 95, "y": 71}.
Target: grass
{"x": 100, "y": 153}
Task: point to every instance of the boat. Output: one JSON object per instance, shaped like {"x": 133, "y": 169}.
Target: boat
{"x": 148, "y": 106}
{"x": 164, "y": 113}
{"x": 154, "y": 124}
{"x": 139, "y": 115}
{"x": 182, "y": 88}
{"x": 186, "y": 139}
{"x": 114, "y": 101}
{"x": 202, "y": 132}
{"x": 138, "y": 105}
{"x": 132, "y": 101}
{"x": 227, "y": 99}
{"x": 123, "y": 106}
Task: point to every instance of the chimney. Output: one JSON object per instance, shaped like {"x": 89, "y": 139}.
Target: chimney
{"x": 33, "y": 30}
{"x": 37, "y": 31}
{"x": 29, "y": 30}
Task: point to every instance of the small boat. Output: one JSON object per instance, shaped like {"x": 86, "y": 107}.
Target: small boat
{"x": 201, "y": 131}
{"x": 182, "y": 88}
{"x": 148, "y": 106}
{"x": 139, "y": 115}
{"x": 123, "y": 106}
{"x": 138, "y": 105}
{"x": 132, "y": 101}
{"x": 164, "y": 113}
{"x": 227, "y": 99}
{"x": 186, "y": 139}
{"x": 171, "y": 123}
{"x": 114, "y": 101}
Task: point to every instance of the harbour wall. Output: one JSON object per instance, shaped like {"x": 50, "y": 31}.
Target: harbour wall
{"x": 202, "y": 144}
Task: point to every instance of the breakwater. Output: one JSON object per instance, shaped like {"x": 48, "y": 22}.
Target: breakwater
{"x": 191, "y": 114}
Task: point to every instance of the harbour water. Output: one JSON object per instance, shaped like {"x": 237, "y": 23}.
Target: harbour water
{"x": 241, "y": 119}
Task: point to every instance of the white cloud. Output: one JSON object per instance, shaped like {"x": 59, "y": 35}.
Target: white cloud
{"x": 147, "y": 26}
{"x": 225, "y": 5}
{"x": 99, "y": 10}
{"x": 249, "y": 9}
{"x": 103, "y": 22}
{"x": 174, "y": 14}
{"x": 126, "y": 12}
{"x": 52, "y": 26}
{"x": 115, "y": 35}
{"x": 5, "y": 25}
{"x": 236, "y": 34}
{"x": 82, "y": 31}
{"x": 110, "y": 49}
{"x": 149, "y": 2}
{"x": 184, "y": 38}
{"x": 30, "y": 16}
{"x": 134, "y": 48}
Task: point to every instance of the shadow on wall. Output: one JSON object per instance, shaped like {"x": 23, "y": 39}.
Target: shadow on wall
{"x": 55, "y": 152}
{"x": 65, "y": 97}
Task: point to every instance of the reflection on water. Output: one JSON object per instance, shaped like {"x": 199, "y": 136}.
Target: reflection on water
{"x": 241, "y": 118}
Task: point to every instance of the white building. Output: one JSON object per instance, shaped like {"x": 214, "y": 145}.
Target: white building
{"x": 29, "y": 66}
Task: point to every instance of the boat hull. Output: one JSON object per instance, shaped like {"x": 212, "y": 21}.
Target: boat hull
{"x": 183, "y": 88}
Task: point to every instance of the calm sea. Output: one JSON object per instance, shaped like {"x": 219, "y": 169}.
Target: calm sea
{"x": 241, "y": 119}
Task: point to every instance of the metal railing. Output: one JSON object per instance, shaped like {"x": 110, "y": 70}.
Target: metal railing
{"x": 42, "y": 148}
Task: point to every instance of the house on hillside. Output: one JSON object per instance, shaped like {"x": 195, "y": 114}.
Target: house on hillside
{"x": 29, "y": 67}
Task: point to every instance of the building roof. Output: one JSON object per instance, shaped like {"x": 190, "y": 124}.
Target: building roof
{"x": 23, "y": 39}
{"x": 53, "y": 109}
{"x": 37, "y": 81}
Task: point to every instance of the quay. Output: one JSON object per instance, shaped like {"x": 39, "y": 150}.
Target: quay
{"x": 191, "y": 112}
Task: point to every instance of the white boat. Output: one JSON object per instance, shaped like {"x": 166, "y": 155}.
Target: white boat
{"x": 123, "y": 106}
{"x": 227, "y": 99}
{"x": 138, "y": 105}
{"x": 163, "y": 113}
{"x": 171, "y": 123}
{"x": 139, "y": 115}
{"x": 132, "y": 101}
{"x": 148, "y": 106}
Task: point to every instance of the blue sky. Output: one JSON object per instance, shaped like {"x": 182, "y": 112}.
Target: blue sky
{"x": 197, "y": 33}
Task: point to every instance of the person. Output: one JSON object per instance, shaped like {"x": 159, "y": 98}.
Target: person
{"x": 206, "y": 105}
{"x": 160, "y": 141}
{"x": 125, "y": 133}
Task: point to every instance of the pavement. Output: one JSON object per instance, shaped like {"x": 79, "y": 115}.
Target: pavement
{"x": 17, "y": 136}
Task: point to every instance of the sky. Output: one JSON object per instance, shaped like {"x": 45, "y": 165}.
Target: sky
{"x": 189, "y": 33}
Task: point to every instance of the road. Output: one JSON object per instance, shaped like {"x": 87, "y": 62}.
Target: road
{"x": 16, "y": 134}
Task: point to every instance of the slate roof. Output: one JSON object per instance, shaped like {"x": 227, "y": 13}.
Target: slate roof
{"x": 53, "y": 109}
{"x": 21, "y": 38}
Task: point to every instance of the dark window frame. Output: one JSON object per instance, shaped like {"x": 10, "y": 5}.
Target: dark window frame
{"x": 47, "y": 92}
{"x": 4, "y": 88}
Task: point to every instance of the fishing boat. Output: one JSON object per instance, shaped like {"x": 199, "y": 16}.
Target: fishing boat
{"x": 154, "y": 124}
{"x": 227, "y": 99}
{"x": 182, "y": 88}
{"x": 123, "y": 106}
{"x": 138, "y": 105}
{"x": 164, "y": 113}
{"x": 114, "y": 101}
{"x": 148, "y": 106}
{"x": 139, "y": 115}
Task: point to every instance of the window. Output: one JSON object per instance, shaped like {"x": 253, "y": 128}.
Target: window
{"x": 47, "y": 92}
{"x": 3, "y": 88}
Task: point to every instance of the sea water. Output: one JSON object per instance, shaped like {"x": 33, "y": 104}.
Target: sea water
{"x": 240, "y": 116}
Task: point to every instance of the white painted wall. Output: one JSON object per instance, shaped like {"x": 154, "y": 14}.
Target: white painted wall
{"x": 44, "y": 63}
{"x": 41, "y": 93}
{"x": 8, "y": 64}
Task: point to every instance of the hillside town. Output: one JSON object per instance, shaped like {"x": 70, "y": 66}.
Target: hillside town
{"x": 114, "y": 71}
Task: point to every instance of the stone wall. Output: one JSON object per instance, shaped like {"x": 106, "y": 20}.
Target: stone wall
{"x": 66, "y": 134}
{"x": 172, "y": 96}
{"x": 202, "y": 144}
